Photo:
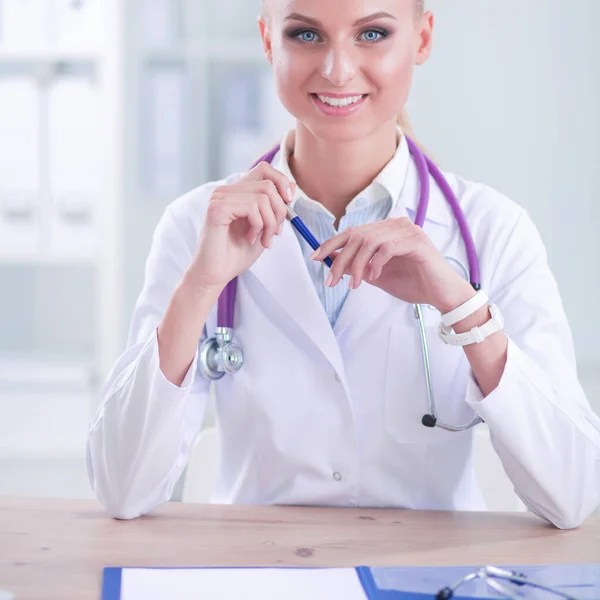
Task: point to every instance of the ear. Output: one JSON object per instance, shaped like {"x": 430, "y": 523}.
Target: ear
{"x": 265, "y": 34}
{"x": 425, "y": 38}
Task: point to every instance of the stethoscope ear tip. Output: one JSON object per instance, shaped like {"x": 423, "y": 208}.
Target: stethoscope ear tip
{"x": 429, "y": 420}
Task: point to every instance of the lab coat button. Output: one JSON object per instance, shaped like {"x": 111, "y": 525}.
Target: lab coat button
{"x": 338, "y": 378}
{"x": 337, "y": 476}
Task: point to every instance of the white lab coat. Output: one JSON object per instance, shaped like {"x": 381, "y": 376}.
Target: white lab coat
{"x": 333, "y": 417}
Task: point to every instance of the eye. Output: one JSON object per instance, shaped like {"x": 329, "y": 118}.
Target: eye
{"x": 374, "y": 35}
{"x": 307, "y": 36}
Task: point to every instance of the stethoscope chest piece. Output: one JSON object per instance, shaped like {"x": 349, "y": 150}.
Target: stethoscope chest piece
{"x": 219, "y": 355}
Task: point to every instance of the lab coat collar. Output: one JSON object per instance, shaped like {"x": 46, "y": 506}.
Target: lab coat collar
{"x": 399, "y": 178}
{"x": 387, "y": 183}
{"x": 438, "y": 209}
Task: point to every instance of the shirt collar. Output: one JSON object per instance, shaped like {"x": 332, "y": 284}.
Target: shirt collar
{"x": 390, "y": 183}
{"x": 387, "y": 184}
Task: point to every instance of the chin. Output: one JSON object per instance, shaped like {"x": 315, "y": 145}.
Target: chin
{"x": 341, "y": 129}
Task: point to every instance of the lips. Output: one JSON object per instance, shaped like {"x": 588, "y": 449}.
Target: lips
{"x": 339, "y": 105}
{"x": 339, "y": 101}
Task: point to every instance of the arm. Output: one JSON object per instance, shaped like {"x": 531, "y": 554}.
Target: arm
{"x": 488, "y": 358}
{"x": 541, "y": 424}
{"x": 153, "y": 406}
{"x": 140, "y": 438}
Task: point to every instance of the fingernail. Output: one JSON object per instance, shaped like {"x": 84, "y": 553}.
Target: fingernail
{"x": 290, "y": 194}
{"x": 314, "y": 255}
{"x": 280, "y": 230}
{"x": 351, "y": 283}
{"x": 329, "y": 280}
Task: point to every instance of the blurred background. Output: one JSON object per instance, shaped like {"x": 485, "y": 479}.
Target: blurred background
{"x": 110, "y": 109}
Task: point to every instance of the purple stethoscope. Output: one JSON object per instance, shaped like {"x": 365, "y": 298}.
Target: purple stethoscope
{"x": 219, "y": 355}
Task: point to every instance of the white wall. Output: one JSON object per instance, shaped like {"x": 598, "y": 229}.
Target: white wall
{"x": 510, "y": 97}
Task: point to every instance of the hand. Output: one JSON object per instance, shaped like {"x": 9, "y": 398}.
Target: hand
{"x": 397, "y": 256}
{"x": 240, "y": 223}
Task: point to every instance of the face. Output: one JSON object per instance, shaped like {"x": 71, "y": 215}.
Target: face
{"x": 344, "y": 68}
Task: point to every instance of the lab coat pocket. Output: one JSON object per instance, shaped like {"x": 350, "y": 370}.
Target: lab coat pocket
{"x": 406, "y": 399}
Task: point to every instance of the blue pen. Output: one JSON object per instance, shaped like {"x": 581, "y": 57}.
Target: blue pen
{"x": 304, "y": 231}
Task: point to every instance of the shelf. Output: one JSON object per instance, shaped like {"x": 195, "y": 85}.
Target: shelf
{"x": 35, "y": 371}
{"x": 46, "y": 55}
{"x": 47, "y": 260}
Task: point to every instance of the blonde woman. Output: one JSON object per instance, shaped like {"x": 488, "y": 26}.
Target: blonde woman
{"x": 331, "y": 405}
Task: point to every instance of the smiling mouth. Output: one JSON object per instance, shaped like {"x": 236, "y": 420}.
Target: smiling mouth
{"x": 340, "y": 102}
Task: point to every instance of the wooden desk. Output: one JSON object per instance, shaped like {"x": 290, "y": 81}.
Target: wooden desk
{"x": 52, "y": 549}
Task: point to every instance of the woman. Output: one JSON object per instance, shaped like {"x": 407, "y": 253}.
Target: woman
{"x": 327, "y": 408}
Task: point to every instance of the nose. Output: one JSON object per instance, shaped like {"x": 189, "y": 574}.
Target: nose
{"x": 338, "y": 66}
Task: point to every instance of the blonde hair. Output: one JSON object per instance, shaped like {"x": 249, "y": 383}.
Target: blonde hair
{"x": 420, "y": 4}
{"x": 405, "y": 125}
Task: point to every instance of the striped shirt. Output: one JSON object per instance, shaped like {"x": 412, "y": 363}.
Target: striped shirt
{"x": 372, "y": 204}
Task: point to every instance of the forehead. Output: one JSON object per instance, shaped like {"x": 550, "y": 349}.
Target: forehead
{"x": 340, "y": 12}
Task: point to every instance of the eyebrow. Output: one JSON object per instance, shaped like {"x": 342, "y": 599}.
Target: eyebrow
{"x": 379, "y": 15}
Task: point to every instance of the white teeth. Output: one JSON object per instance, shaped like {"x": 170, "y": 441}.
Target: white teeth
{"x": 339, "y": 102}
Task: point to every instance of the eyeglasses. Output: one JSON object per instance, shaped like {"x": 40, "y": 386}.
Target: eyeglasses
{"x": 495, "y": 578}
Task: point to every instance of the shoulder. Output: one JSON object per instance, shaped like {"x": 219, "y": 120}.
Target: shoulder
{"x": 507, "y": 240}
{"x": 503, "y": 232}
{"x": 484, "y": 205}
{"x": 494, "y": 219}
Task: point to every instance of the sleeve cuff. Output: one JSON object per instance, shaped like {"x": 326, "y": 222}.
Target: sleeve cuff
{"x": 526, "y": 392}
{"x": 512, "y": 381}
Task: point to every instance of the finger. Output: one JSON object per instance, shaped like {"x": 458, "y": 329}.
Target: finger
{"x": 343, "y": 260}
{"x": 263, "y": 202}
{"x": 246, "y": 208}
{"x": 332, "y": 244}
{"x": 249, "y": 191}
{"x": 278, "y": 206}
{"x": 267, "y": 187}
{"x": 224, "y": 208}
{"x": 360, "y": 265}
{"x": 264, "y": 170}
{"x": 384, "y": 254}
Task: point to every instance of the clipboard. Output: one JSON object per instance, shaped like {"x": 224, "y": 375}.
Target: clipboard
{"x": 581, "y": 581}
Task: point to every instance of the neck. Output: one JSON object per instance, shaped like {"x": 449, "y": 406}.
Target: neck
{"x": 333, "y": 173}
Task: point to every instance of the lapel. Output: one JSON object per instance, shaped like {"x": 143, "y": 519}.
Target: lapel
{"x": 283, "y": 273}
{"x": 363, "y": 307}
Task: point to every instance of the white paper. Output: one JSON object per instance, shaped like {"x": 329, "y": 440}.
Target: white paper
{"x": 75, "y": 165}
{"x": 23, "y": 23}
{"x": 233, "y": 584}
{"x": 19, "y": 165}
{"x": 164, "y": 131}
